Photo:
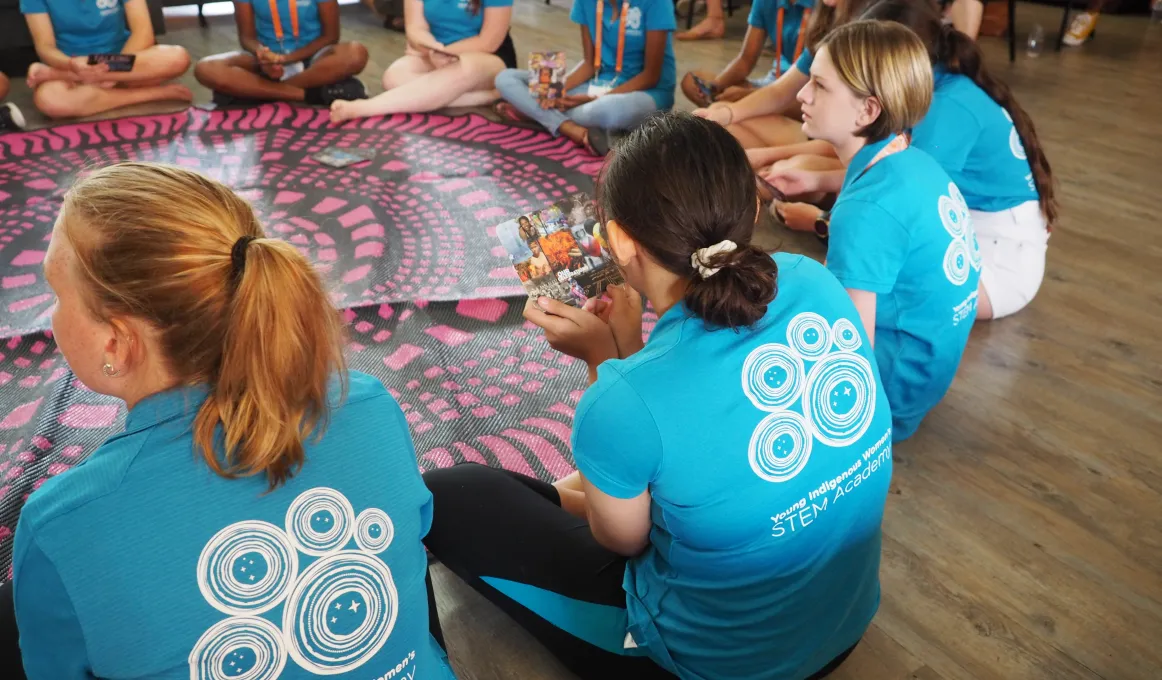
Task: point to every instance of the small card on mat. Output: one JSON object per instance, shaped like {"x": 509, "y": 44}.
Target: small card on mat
{"x": 340, "y": 158}
{"x": 560, "y": 252}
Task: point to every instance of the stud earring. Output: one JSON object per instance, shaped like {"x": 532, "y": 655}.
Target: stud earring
{"x": 109, "y": 371}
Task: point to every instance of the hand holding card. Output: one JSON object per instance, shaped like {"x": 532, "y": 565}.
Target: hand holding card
{"x": 117, "y": 63}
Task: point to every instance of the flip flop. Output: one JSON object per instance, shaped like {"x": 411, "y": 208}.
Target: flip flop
{"x": 507, "y": 112}
{"x": 597, "y": 141}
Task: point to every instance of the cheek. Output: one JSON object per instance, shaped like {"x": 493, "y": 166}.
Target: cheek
{"x": 76, "y": 335}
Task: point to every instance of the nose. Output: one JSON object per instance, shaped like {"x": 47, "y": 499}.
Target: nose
{"x": 804, "y": 96}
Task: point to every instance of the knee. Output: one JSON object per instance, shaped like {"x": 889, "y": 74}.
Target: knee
{"x": 508, "y": 79}
{"x": 3, "y": 86}
{"x": 396, "y": 75}
{"x": 52, "y": 99}
{"x": 355, "y": 57}
{"x": 207, "y": 71}
{"x": 174, "y": 59}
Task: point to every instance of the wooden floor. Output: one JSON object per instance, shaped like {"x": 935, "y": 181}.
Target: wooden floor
{"x": 1023, "y": 536}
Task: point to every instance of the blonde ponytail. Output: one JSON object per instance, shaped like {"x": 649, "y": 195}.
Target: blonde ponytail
{"x": 156, "y": 242}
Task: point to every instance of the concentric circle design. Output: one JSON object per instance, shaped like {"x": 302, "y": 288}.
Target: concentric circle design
{"x": 320, "y": 521}
{"x": 340, "y": 613}
{"x": 809, "y": 335}
{"x": 840, "y": 398}
{"x": 957, "y": 262}
{"x": 772, "y": 377}
{"x": 846, "y": 336}
{"x": 247, "y": 568}
{"x": 373, "y": 530}
{"x": 780, "y": 446}
{"x": 951, "y": 216}
{"x": 1016, "y": 146}
{"x": 974, "y": 251}
{"x": 239, "y": 648}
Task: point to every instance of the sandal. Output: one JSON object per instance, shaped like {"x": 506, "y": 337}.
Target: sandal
{"x": 508, "y": 113}
{"x": 597, "y": 142}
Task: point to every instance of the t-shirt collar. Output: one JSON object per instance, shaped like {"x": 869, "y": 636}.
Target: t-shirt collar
{"x": 173, "y": 403}
{"x": 862, "y": 158}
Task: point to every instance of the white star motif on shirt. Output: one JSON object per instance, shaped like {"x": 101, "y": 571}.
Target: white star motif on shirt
{"x": 354, "y": 606}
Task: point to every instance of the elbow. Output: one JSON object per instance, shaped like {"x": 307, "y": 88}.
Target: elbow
{"x": 622, "y": 545}
{"x": 652, "y": 78}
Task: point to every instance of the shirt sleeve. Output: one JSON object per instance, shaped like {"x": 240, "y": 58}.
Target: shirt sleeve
{"x": 577, "y": 14}
{"x": 52, "y": 643}
{"x": 408, "y": 452}
{"x": 659, "y": 16}
{"x": 947, "y": 133}
{"x": 243, "y": 2}
{"x": 33, "y": 7}
{"x": 615, "y": 440}
{"x": 867, "y": 246}
{"x": 495, "y": 3}
{"x": 804, "y": 62}
{"x": 757, "y": 16}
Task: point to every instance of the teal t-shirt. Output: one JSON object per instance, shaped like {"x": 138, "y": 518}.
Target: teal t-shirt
{"x": 141, "y": 562}
{"x": 767, "y": 454}
{"x": 309, "y": 26}
{"x": 764, "y": 14}
{"x": 83, "y": 27}
{"x": 973, "y": 138}
{"x": 643, "y": 16}
{"x": 901, "y": 230}
{"x": 805, "y": 60}
{"x": 452, "y": 21}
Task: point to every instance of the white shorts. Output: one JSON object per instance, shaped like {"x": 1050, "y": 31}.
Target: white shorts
{"x": 1012, "y": 250}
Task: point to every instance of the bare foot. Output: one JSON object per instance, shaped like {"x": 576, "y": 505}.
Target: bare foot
{"x": 39, "y": 73}
{"x": 710, "y": 28}
{"x": 342, "y": 111}
{"x": 179, "y": 93}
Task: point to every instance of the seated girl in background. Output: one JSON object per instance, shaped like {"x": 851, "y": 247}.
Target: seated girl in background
{"x": 66, "y": 85}
{"x": 685, "y": 546}
{"x": 901, "y": 239}
{"x": 769, "y": 116}
{"x": 785, "y": 23}
{"x": 978, "y": 132}
{"x": 290, "y": 52}
{"x": 255, "y": 476}
{"x": 11, "y": 118}
{"x": 628, "y": 73}
{"x": 455, "y": 48}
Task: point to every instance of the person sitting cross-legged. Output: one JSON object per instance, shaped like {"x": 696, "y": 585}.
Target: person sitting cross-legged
{"x": 290, "y": 52}
{"x": 66, "y": 84}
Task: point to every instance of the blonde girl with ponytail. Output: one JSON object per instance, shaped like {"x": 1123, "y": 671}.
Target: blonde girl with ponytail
{"x": 262, "y": 508}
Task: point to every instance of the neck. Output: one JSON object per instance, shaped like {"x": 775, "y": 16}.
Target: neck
{"x": 847, "y": 148}
{"x": 151, "y": 382}
{"x": 665, "y": 292}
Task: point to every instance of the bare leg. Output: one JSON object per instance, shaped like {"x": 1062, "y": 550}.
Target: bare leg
{"x": 572, "y": 495}
{"x": 770, "y": 130}
{"x": 406, "y": 69}
{"x": 3, "y": 86}
{"x": 59, "y": 99}
{"x": 154, "y": 65}
{"x": 984, "y": 306}
{"x": 236, "y": 74}
{"x": 713, "y": 26}
{"x": 330, "y": 65}
{"x": 966, "y": 16}
{"x": 735, "y": 93}
{"x": 472, "y": 73}
{"x": 477, "y": 98}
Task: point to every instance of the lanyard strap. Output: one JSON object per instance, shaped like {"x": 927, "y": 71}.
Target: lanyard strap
{"x": 898, "y": 144}
{"x": 294, "y": 17}
{"x": 597, "y": 47}
{"x": 779, "y": 39}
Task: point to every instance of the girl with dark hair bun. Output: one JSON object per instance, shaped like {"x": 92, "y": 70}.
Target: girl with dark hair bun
{"x": 725, "y": 519}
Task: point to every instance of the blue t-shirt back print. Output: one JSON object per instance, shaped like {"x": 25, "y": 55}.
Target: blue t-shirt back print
{"x": 901, "y": 229}
{"x": 973, "y": 138}
{"x": 83, "y": 27}
{"x": 767, "y": 455}
{"x": 643, "y": 16}
{"x": 324, "y": 576}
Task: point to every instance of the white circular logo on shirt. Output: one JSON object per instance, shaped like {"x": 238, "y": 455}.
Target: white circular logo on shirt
{"x": 835, "y": 396}
{"x": 1015, "y": 144}
{"x": 107, "y": 4}
{"x": 963, "y": 253}
{"x": 633, "y": 18}
{"x": 336, "y": 615}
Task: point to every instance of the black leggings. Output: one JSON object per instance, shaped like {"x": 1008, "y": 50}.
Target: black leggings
{"x": 498, "y": 524}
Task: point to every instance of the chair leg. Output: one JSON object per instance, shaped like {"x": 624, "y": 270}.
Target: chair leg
{"x": 690, "y": 15}
{"x": 729, "y": 8}
{"x": 1064, "y": 24}
{"x": 201, "y": 17}
{"x": 1012, "y": 31}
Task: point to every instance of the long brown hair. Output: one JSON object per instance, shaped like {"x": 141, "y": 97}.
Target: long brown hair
{"x": 155, "y": 242}
{"x": 886, "y": 61}
{"x": 958, "y": 53}
{"x": 824, "y": 18}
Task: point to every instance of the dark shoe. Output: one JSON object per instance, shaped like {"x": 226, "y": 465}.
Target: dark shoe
{"x": 228, "y": 101}
{"x": 597, "y": 141}
{"x": 11, "y": 119}
{"x": 347, "y": 89}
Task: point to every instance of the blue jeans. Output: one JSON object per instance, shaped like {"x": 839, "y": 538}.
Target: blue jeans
{"x": 609, "y": 112}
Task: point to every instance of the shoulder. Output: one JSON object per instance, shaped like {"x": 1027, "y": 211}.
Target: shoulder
{"x": 614, "y": 391}
{"x": 366, "y": 394}
{"x": 957, "y": 94}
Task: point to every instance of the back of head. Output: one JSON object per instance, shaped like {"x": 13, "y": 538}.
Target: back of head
{"x": 889, "y": 62}
{"x": 826, "y": 17}
{"x": 679, "y": 184}
{"x": 242, "y": 313}
{"x": 956, "y": 52}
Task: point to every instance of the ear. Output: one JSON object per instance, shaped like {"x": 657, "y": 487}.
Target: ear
{"x": 869, "y": 112}
{"x": 623, "y": 247}
{"x": 124, "y": 345}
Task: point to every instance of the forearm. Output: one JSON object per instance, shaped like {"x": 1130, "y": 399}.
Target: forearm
{"x": 831, "y": 181}
{"x": 773, "y": 98}
{"x": 310, "y": 49}
{"x": 250, "y": 44}
{"x": 734, "y": 73}
{"x": 640, "y": 82}
{"x": 580, "y": 75}
{"x": 139, "y": 41}
{"x": 54, "y": 57}
{"x": 477, "y": 43}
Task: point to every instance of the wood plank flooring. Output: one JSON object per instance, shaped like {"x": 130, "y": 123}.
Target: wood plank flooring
{"x": 1023, "y": 536}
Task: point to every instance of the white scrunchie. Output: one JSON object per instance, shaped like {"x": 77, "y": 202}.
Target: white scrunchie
{"x": 702, "y": 256}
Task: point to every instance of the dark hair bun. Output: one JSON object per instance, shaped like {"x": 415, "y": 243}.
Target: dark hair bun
{"x": 737, "y": 294}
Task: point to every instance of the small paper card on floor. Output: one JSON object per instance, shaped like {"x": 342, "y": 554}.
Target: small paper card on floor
{"x": 561, "y": 251}
{"x": 340, "y": 158}
{"x": 547, "y": 75}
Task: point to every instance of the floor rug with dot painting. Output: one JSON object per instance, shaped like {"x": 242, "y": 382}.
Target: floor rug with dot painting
{"x": 407, "y": 244}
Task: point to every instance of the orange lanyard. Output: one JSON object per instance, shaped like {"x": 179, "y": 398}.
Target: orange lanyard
{"x": 294, "y": 16}
{"x": 779, "y": 40}
{"x": 620, "y": 37}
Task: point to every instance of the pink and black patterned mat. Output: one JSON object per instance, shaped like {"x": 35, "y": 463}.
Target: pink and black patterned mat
{"x": 406, "y": 241}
